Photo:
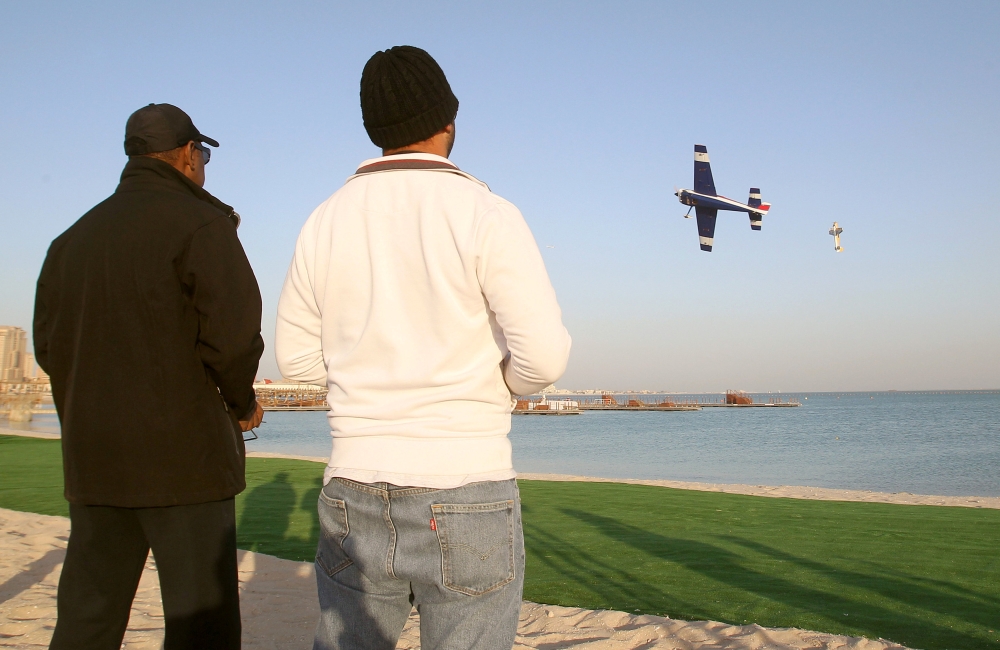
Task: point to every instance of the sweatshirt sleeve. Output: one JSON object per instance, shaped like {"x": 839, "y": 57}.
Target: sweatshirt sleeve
{"x": 517, "y": 288}
{"x": 225, "y": 294}
{"x": 298, "y": 344}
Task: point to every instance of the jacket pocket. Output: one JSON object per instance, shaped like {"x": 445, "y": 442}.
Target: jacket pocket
{"x": 477, "y": 545}
{"x": 334, "y": 529}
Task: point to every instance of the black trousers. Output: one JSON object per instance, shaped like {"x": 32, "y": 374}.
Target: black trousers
{"x": 195, "y": 551}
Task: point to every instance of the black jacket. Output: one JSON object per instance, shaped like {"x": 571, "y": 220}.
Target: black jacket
{"x": 147, "y": 319}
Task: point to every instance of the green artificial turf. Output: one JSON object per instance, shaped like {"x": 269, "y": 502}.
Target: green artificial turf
{"x": 276, "y": 514}
{"x": 31, "y": 476}
{"x": 924, "y": 576}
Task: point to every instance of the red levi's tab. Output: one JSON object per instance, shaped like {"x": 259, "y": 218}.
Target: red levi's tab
{"x": 434, "y": 525}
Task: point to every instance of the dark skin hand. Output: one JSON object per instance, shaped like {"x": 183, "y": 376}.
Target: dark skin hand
{"x": 254, "y": 421}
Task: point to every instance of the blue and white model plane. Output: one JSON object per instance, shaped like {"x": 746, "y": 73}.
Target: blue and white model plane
{"x": 707, "y": 203}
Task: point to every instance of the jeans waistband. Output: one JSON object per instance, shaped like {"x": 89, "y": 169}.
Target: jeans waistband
{"x": 388, "y": 490}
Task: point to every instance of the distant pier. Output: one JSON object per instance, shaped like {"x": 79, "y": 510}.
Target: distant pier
{"x": 644, "y": 407}
{"x": 754, "y": 405}
{"x": 546, "y": 405}
{"x": 739, "y": 398}
{"x": 292, "y": 396}
{"x": 310, "y": 407}
{"x": 21, "y": 400}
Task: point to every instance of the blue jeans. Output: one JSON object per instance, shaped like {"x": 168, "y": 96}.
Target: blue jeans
{"x": 456, "y": 555}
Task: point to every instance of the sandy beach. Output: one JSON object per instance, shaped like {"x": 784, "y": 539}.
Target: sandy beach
{"x": 280, "y": 610}
{"x": 790, "y": 491}
{"x": 4, "y": 431}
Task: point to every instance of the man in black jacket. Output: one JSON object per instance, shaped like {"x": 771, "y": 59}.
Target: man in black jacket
{"x": 147, "y": 320}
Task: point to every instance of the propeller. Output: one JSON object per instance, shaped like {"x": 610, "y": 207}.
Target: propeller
{"x": 677, "y": 193}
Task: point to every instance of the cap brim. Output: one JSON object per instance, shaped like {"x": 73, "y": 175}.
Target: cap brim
{"x": 207, "y": 140}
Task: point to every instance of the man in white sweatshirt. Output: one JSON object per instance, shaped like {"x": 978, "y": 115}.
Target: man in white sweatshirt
{"x": 422, "y": 301}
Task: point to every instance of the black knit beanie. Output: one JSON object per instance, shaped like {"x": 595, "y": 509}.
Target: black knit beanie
{"x": 405, "y": 97}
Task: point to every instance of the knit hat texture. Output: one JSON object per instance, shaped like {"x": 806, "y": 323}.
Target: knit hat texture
{"x": 405, "y": 97}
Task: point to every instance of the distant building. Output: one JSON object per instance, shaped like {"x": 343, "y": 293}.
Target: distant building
{"x": 28, "y": 365}
{"x": 33, "y": 371}
{"x": 13, "y": 349}
{"x": 552, "y": 390}
{"x": 288, "y": 395}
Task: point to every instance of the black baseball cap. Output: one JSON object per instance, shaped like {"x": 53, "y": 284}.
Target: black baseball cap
{"x": 160, "y": 127}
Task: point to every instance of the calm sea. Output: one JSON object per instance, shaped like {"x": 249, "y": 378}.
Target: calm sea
{"x": 925, "y": 443}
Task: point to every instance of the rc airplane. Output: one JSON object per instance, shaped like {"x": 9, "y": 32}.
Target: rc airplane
{"x": 707, "y": 203}
{"x": 835, "y": 231}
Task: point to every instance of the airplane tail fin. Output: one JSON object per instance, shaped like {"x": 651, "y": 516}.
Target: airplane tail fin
{"x": 757, "y": 217}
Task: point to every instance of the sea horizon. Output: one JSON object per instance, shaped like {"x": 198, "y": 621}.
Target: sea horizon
{"x": 923, "y": 442}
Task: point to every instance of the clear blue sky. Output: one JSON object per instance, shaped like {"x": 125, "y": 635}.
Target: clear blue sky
{"x": 880, "y": 115}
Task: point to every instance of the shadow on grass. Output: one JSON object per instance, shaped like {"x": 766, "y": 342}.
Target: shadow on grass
{"x": 725, "y": 567}
{"x": 912, "y": 591}
{"x": 279, "y": 517}
{"x": 308, "y": 503}
{"x": 587, "y": 580}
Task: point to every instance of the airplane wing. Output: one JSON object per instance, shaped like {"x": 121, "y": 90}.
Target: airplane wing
{"x": 703, "y": 182}
{"x": 706, "y": 226}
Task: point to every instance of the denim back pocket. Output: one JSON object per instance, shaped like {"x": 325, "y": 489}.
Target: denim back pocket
{"x": 477, "y": 545}
{"x": 334, "y": 529}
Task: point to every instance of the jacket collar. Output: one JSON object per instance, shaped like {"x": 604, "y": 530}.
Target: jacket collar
{"x": 406, "y": 161}
{"x": 411, "y": 161}
{"x": 145, "y": 171}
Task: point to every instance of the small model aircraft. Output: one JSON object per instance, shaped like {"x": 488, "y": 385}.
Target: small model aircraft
{"x": 707, "y": 203}
{"x": 835, "y": 231}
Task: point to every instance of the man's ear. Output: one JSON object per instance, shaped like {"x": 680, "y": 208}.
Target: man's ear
{"x": 189, "y": 155}
{"x": 185, "y": 164}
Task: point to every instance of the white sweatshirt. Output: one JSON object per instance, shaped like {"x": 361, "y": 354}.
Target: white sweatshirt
{"x": 419, "y": 297}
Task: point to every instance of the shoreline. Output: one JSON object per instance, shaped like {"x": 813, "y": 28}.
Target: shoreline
{"x": 789, "y": 491}
{"x": 772, "y": 491}
{"x": 4, "y": 431}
